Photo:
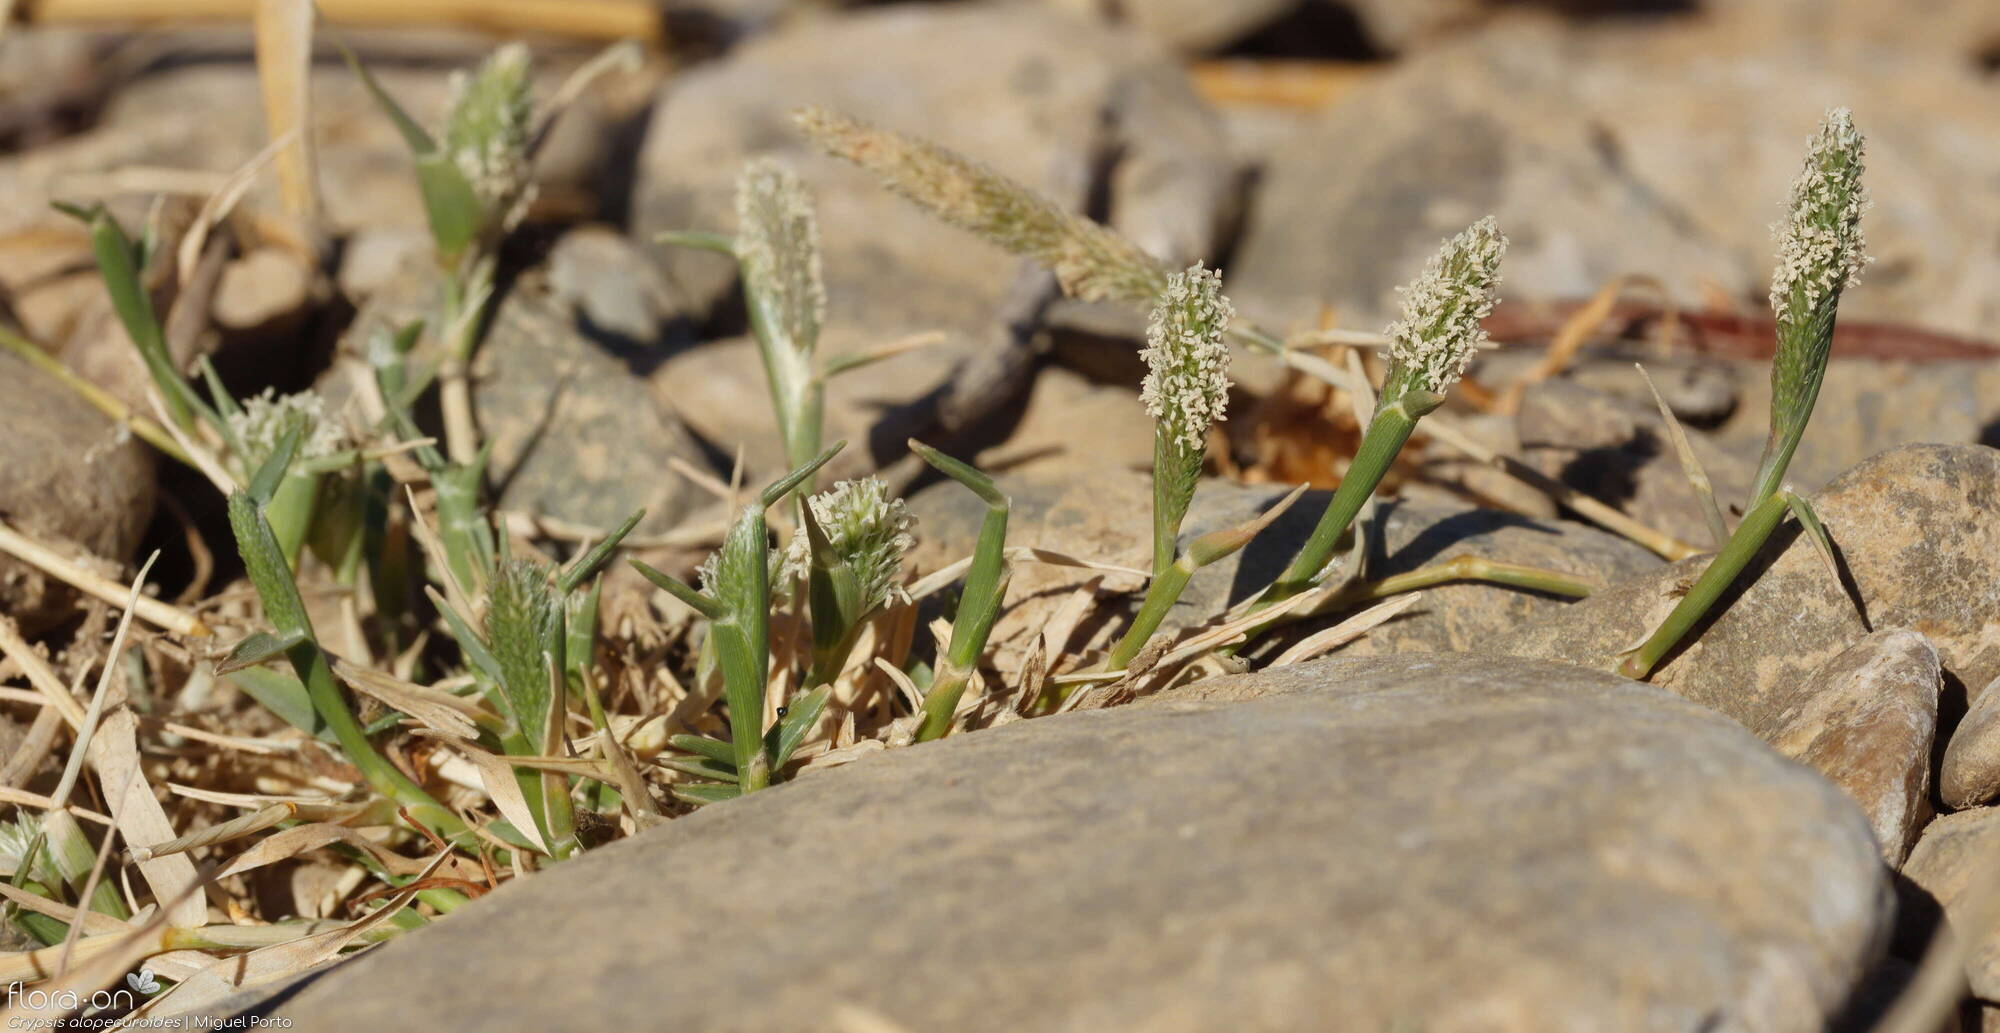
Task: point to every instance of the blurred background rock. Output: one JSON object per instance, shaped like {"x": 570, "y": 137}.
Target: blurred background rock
{"x": 1316, "y": 151}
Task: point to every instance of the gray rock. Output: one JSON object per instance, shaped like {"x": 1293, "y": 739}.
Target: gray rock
{"x": 73, "y": 481}
{"x": 1868, "y": 404}
{"x": 576, "y": 433}
{"x": 1642, "y": 149}
{"x": 1971, "y": 772}
{"x": 1445, "y": 843}
{"x": 610, "y": 283}
{"x": 1103, "y": 515}
{"x": 1022, "y": 88}
{"x": 1867, "y": 724}
{"x": 1953, "y": 862}
{"x": 1917, "y": 530}
{"x": 1193, "y": 26}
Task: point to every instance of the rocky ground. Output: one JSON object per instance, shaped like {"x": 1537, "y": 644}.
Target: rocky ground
{"x": 1457, "y": 822}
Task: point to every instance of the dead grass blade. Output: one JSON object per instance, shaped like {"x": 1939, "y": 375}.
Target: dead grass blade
{"x": 141, "y": 819}
{"x": 1569, "y": 340}
{"x": 303, "y": 839}
{"x": 496, "y": 775}
{"x": 438, "y": 711}
{"x": 911, "y": 697}
{"x": 1346, "y": 631}
{"x": 284, "y": 30}
{"x": 219, "y": 204}
{"x": 574, "y": 19}
{"x": 112, "y": 748}
{"x": 235, "y": 828}
{"x": 622, "y": 56}
{"x": 151, "y": 610}
{"x": 1062, "y": 625}
{"x": 93, "y": 922}
{"x": 1440, "y": 427}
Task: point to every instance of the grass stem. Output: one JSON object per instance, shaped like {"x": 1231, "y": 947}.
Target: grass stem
{"x": 1750, "y": 536}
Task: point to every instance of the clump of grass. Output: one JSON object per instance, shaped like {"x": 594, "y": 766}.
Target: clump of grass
{"x": 979, "y": 601}
{"x": 1186, "y": 391}
{"x": 518, "y": 665}
{"x": 1821, "y": 252}
{"x": 735, "y": 599}
{"x": 1429, "y": 347}
{"x": 849, "y": 548}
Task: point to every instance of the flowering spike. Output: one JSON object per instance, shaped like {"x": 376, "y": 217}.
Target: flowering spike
{"x": 1089, "y": 260}
{"x": 1430, "y": 346}
{"x": 521, "y": 620}
{"x": 266, "y": 418}
{"x": 1187, "y": 386}
{"x": 1821, "y": 252}
{"x": 486, "y": 134}
{"x": 777, "y": 243}
{"x": 1186, "y": 391}
{"x": 1821, "y": 249}
{"x": 869, "y": 531}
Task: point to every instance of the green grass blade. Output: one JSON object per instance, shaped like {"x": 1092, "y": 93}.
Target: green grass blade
{"x": 419, "y": 141}
{"x": 797, "y": 722}
{"x": 593, "y": 561}
{"x": 703, "y": 746}
{"x": 264, "y": 482}
{"x": 284, "y": 695}
{"x": 469, "y": 641}
{"x": 702, "y": 767}
{"x": 260, "y": 647}
{"x": 701, "y": 794}
{"x": 681, "y": 590}
{"x": 783, "y": 486}
{"x": 976, "y": 482}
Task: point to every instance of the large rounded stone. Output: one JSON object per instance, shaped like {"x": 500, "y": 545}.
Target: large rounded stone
{"x": 1446, "y": 843}
{"x": 73, "y": 481}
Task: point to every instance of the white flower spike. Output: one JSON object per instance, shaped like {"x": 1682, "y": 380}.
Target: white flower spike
{"x": 1431, "y": 345}
{"x": 1187, "y": 387}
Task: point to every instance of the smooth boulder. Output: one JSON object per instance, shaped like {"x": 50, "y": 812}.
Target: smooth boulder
{"x": 1867, "y": 724}
{"x": 1447, "y": 843}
